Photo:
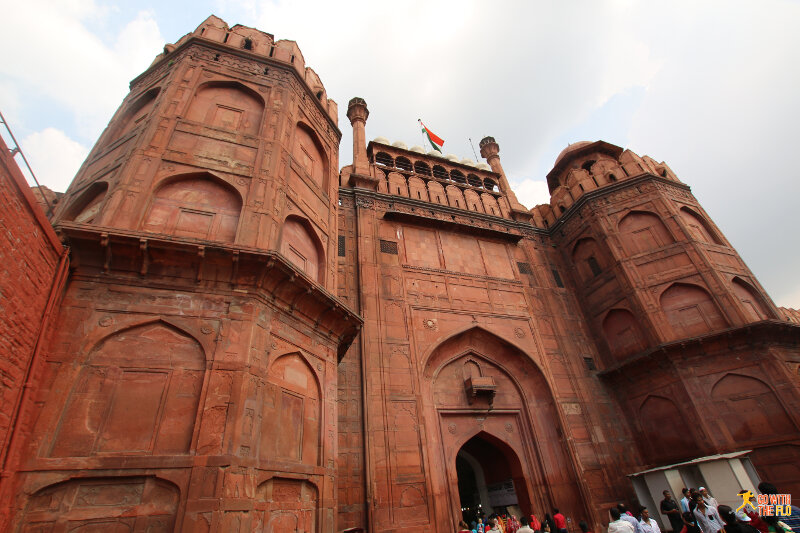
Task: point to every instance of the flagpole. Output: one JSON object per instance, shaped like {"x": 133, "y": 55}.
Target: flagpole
{"x": 419, "y": 121}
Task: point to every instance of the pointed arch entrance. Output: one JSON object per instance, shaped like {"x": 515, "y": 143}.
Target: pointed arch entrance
{"x": 490, "y": 478}
{"x": 486, "y": 399}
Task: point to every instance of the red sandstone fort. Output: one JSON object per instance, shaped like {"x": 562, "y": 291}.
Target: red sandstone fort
{"x": 221, "y": 330}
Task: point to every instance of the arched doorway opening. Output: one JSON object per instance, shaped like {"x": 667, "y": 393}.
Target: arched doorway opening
{"x": 490, "y": 479}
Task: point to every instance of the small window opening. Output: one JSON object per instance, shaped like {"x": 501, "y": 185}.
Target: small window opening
{"x": 457, "y": 204}
{"x": 492, "y": 208}
{"x": 557, "y": 278}
{"x": 546, "y": 224}
{"x": 319, "y": 96}
{"x": 341, "y": 246}
{"x": 225, "y": 40}
{"x": 216, "y": 57}
{"x": 563, "y": 210}
{"x": 594, "y": 266}
{"x": 271, "y": 50}
{"x": 524, "y": 268}
{"x": 419, "y": 195}
{"x": 202, "y": 31}
{"x": 587, "y": 166}
{"x": 581, "y": 186}
{"x": 595, "y": 181}
{"x": 398, "y": 190}
{"x": 664, "y": 173}
{"x": 266, "y": 71}
{"x": 612, "y": 178}
{"x": 589, "y": 363}
{"x": 388, "y": 247}
{"x": 291, "y": 60}
{"x": 248, "y": 44}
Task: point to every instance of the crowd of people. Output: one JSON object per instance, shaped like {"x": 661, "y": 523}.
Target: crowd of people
{"x": 509, "y": 523}
{"x": 699, "y": 512}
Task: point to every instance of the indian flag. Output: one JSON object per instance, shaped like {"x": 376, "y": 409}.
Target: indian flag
{"x": 434, "y": 139}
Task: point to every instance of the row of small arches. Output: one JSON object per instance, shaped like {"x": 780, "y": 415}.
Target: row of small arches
{"x": 433, "y": 191}
{"x": 202, "y": 206}
{"x": 438, "y": 171}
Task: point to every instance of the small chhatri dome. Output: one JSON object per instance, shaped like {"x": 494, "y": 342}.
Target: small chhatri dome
{"x": 417, "y": 148}
{"x": 483, "y": 166}
{"x": 381, "y": 140}
{"x": 400, "y": 144}
{"x": 571, "y": 148}
{"x": 435, "y": 153}
{"x": 467, "y": 161}
{"x": 452, "y": 157}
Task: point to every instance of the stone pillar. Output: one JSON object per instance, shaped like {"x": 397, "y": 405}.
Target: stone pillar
{"x": 358, "y": 113}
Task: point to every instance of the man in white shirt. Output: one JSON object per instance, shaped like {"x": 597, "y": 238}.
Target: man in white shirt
{"x": 708, "y": 498}
{"x": 526, "y": 528}
{"x": 617, "y": 525}
{"x": 647, "y": 524}
{"x": 707, "y": 517}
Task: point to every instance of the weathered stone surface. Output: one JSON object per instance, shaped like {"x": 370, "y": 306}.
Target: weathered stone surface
{"x": 247, "y": 341}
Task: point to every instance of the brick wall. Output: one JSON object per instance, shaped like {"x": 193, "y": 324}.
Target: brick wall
{"x": 30, "y": 255}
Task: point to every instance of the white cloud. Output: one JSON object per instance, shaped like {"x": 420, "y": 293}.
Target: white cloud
{"x": 53, "y": 156}
{"x": 530, "y": 192}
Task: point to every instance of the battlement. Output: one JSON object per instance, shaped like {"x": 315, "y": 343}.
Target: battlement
{"x": 446, "y": 180}
{"x": 261, "y": 45}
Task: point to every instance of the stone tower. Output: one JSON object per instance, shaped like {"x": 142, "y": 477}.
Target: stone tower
{"x": 687, "y": 337}
{"x": 189, "y": 380}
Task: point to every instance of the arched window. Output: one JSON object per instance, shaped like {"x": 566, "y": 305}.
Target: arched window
{"x": 227, "y": 105}
{"x": 196, "y": 205}
{"x": 474, "y": 180}
{"x": 612, "y": 178}
{"x": 384, "y": 159}
{"x": 489, "y": 184}
{"x": 699, "y": 228}
{"x": 301, "y": 246}
{"x": 310, "y": 155}
{"x": 153, "y": 371}
{"x": 403, "y": 164}
{"x": 691, "y": 311}
{"x": 291, "y": 418}
{"x": 623, "y": 334}
{"x": 750, "y": 409}
{"x": 585, "y": 256}
{"x": 458, "y": 177}
{"x": 594, "y": 266}
{"x": 422, "y": 168}
{"x": 440, "y": 172}
{"x": 86, "y": 208}
{"x": 641, "y": 231}
{"x": 587, "y": 165}
{"x": 751, "y": 301}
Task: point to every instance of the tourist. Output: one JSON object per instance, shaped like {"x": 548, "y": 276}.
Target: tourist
{"x": 670, "y": 508}
{"x": 690, "y": 523}
{"x": 494, "y": 525}
{"x": 710, "y": 500}
{"x": 463, "y": 527}
{"x": 732, "y": 524}
{"x": 693, "y": 495}
{"x": 707, "y": 517}
{"x": 550, "y": 524}
{"x": 560, "y": 520}
{"x": 513, "y": 524}
{"x": 525, "y": 525}
{"x": 685, "y": 500}
{"x": 647, "y": 524}
{"x": 479, "y": 527}
{"x": 628, "y": 517}
{"x": 584, "y": 526}
{"x": 536, "y": 526}
{"x": 617, "y": 525}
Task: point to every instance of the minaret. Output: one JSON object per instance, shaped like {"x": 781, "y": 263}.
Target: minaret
{"x": 490, "y": 151}
{"x": 360, "y": 176}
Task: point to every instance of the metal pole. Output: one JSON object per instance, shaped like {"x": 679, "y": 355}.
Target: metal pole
{"x": 17, "y": 150}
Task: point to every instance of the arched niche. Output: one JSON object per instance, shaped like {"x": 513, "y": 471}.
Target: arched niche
{"x": 520, "y": 386}
{"x": 751, "y": 301}
{"x": 587, "y": 259}
{"x": 134, "y": 115}
{"x": 200, "y": 206}
{"x": 623, "y": 333}
{"x": 227, "y": 105}
{"x": 106, "y": 504}
{"x": 136, "y": 392}
{"x": 490, "y": 205}
{"x": 473, "y": 201}
{"x": 436, "y": 193}
{"x": 665, "y": 430}
{"x": 284, "y": 504}
{"x": 301, "y": 246}
{"x": 691, "y": 311}
{"x": 86, "y": 207}
{"x": 455, "y": 197}
{"x": 750, "y": 410}
{"x": 699, "y": 228}
{"x": 308, "y": 152}
{"x": 417, "y": 189}
{"x": 397, "y": 184}
{"x": 291, "y": 427}
{"x": 641, "y": 231}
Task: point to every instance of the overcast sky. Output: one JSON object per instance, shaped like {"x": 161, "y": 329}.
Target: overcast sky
{"x": 710, "y": 87}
